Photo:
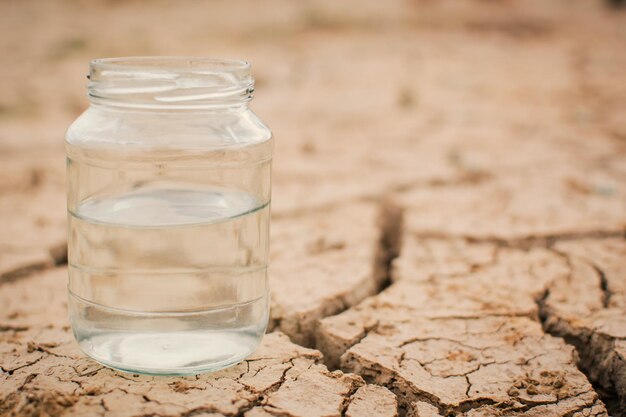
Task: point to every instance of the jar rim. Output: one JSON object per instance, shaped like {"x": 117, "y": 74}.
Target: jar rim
{"x": 170, "y": 81}
{"x": 175, "y": 63}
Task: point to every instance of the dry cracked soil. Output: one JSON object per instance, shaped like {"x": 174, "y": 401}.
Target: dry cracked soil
{"x": 449, "y": 206}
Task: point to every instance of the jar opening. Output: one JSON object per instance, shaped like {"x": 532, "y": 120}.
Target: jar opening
{"x": 170, "y": 82}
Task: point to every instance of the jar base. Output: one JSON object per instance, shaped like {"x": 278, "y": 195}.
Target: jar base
{"x": 169, "y": 353}
{"x": 168, "y": 343}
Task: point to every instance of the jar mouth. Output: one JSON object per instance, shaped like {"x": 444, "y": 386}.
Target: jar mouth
{"x": 170, "y": 82}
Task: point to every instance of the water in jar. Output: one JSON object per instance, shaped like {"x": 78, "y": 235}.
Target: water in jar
{"x": 168, "y": 256}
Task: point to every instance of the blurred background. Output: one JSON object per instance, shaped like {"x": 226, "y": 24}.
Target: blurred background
{"x": 364, "y": 97}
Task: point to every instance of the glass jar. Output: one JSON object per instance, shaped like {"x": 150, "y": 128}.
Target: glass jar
{"x": 168, "y": 206}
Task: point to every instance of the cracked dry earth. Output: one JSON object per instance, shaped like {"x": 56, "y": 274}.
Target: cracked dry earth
{"x": 448, "y": 235}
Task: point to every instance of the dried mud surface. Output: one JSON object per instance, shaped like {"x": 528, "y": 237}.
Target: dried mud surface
{"x": 45, "y": 374}
{"x": 462, "y": 335}
{"x": 587, "y": 307}
{"x": 326, "y": 262}
{"x": 449, "y": 206}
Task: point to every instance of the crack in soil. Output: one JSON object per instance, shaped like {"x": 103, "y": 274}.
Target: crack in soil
{"x": 262, "y": 396}
{"x": 58, "y": 257}
{"x": 604, "y": 286}
{"x": 525, "y": 243}
{"x": 596, "y": 351}
{"x": 24, "y": 271}
{"x": 348, "y": 399}
{"x": 9, "y": 328}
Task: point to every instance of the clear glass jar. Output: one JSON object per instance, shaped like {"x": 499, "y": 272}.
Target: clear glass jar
{"x": 168, "y": 207}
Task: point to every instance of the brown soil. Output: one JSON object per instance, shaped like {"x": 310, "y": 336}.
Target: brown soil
{"x": 449, "y": 206}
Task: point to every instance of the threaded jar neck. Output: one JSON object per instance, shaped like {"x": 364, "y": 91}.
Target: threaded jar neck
{"x": 170, "y": 82}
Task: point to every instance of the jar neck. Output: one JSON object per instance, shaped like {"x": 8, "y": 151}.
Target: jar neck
{"x": 170, "y": 83}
